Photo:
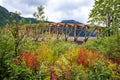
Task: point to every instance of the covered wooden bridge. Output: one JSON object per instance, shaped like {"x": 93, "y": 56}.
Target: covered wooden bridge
{"x": 60, "y": 31}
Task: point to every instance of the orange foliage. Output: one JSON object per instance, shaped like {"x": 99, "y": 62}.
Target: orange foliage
{"x": 31, "y": 60}
{"x": 88, "y": 58}
{"x": 67, "y": 73}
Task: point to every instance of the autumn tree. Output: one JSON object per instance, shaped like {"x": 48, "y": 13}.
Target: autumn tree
{"x": 106, "y": 12}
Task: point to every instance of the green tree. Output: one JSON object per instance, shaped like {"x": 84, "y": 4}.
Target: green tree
{"x": 39, "y": 15}
{"x": 106, "y": 12}
{"x": 16, "y": 23}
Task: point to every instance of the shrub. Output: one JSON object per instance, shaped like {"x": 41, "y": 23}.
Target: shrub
{"x": 8, "y": 68}
{"x": 88, "y": 58}
{"x": 109, "y": 46}
{"x": 31, "y": 60}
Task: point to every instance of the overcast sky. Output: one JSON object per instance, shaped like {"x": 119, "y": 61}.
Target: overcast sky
{"x": 55, "y": 10}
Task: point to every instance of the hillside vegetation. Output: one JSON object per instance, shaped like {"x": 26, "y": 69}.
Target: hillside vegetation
{"x": 6, "y": 16}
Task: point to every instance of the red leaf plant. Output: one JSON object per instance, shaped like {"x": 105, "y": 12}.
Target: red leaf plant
{"x": 30, "y": 59}
{"x": 53, "y": 75}
{"x": 88, "y": 58}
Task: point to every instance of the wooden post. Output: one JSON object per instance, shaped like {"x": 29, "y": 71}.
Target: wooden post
{"x": 57, "y": 31}
{"x": 49, "y": 28}
{"x": 66, "y": 32}
{"x": 61, "y": 31}
{"x": 42, "y": 29}
{"x": 75, "y": 33}
{"x": 36, "y": 29}
{"x": 31, "y": 32}
{"x": 85, "y": 32}
{"x": 97, "y": 33}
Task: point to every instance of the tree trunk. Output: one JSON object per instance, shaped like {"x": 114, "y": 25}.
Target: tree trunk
{"x": 108, "y": 23}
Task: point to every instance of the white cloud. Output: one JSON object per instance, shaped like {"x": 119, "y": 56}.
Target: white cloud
{"x": 55, "y": 10}
{"x": 0, "y": 2}
{"x": 68, "y": 9}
